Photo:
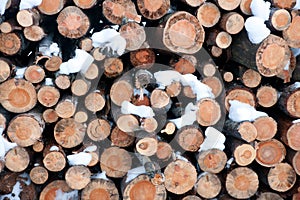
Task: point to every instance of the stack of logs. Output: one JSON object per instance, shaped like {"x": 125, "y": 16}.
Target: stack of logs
{"x": 136, "y": 138}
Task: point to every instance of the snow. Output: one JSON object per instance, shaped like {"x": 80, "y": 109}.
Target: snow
{"x": 90, "y": 148}
{"x": 239, "y": 112}
{"x": 256, "y": 29}
{"x": 60, "y": 195}
{"x": 100, "y": 175}
{"x": 26, "y": 178}
{"x": 28, "y": 4}
{"x": 14, "y": 195}
{"x": 297, "y": 6}
{"x": 261, "y": 9}
{"x": 296, "y": 85}
{"x": 20, "y": 72}
{"x": 296, "y": 51}
{"x": 54, "y": 148}
{"x": 214, "y": 139}
{"x": 49, "y": 81}
{"x": 5, "y": 146}
{"x": 3, "y": 6}
{"x": 81, "y": 158}
{"x": 49, "y": 48}
{"x": 142, "y": 111}
{"x": 178, "y": 156}
{"x": 188, "y": 118}
{"x": 133, "y": 173}
{"x": 109, "y": 38}
{"x": 165, "y": 78}
{"x": 36, "y": 164}
{"x": 296, "y": 121}
{"x": 229, "y": 162}
{"x": 80, "y": 62}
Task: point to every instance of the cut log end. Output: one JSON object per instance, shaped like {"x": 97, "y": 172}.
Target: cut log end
{"x": 153, "y": 9}
{"x": 142, "y": 58}
{"x": 34, "y": 33}
{"x": 85, "y": 4}
{"x": 240, "y": 94}
{"x": 50, "y": 116}
{"x": 292, "y": 104}
{"x": 121, "y": 91}
{"x": 209, "y": 112}
{"x": 147, "y": 146}
{"x": 77, "y": 177}
{"x": 213, "y": 160}
{"x": 4, "y": 70}
{"x": 232, "y": 22}
{"x": 134, "y": 35}
{"x": 282, "y": 177}
{"x": 65, "y": 109}
{"x": 164, "y": 151}
{"x": 17, "y": 159}
{"x": 38, "y": 175}
{"x": 48, "y": 96}
{"x": 290, "y": 34}
{"x": 281, "y": 19}
{"x": 86, "y": 44}
{"x": 209, "y": 69}
{"x": 247, "y": 131}
{"x": 251, "y": 78}
{"x": 104, "y": 189}
{"x": 245, "y": 7}
{"x": 228, "y": 77}
{"x": 208, "y": 14}
{"x": 191, "y": 197}
{"x": 223, "y": 40}
{"x": 174, "y": 89}
{"x": 128, "y": 123}
{"x": 113, "y": 67}
{"x": 63, "y": 82}
{"x": 92, "y": 72}
{"x": 228, "y": 4}
{"x": 38, "y": 146}
{"x": 81, "y": 116}
{"x": 97, "y": 55}
{"x": 186, "y": 64}
{"x": 34, "y": 74}
{"x": 296, "y": 163}
{"x": 50, "y": 7}
{"x": 215, "y": 84}
{"x": 293, "y": 136}
{"x": 49, "y": 192}
{"x": 120, "y": 138}
{"x": 27, "y": 18}
{"x": 98, "y": 129}
{"x": 244, "y": 154}
{"x": 209, "y": 186}
{"x": 149, "y": 124}
{"x": 267, "y": 96}
{"x": 10, "y": 43}
{"x": 169, "y": 128}
{"x": 266, "y": 128}
{"x": 216, "y": 51}
{"x": 53, "y": 63}
{"x": 268, "y": 196}
{"x": 80, "y": 87}
{"x": 159, "y": 99}
{"x": 54, "y": 161}
{"x": 190, "y": 138}
{"x": 94, "y": 102}
{"x": 286, "y": 4}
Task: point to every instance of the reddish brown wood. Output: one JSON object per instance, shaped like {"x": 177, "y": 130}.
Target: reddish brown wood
{"x": 120, "y": 138}
{"x": 190, "y": 138}
{"x": 142, "y": 58}
{"x": 208, "y": 185}
{"x": 48, "y": 96}
{"x": 280, "y": 19}
{"x": 50, "y": 116}
{"x": 186, "y": 64}
{"x": 51, "y": 7}
{"x": 243, "y": 130}
{"x": 100, "y": 188}
{"x": 212, "y": 160}
{"x": 113, "y": 67}
{"x": 245, "y": 7}
{"x": 232, "y": 22}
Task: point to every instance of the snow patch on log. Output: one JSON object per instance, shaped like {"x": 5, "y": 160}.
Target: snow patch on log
{"x": 3, "y": 6}
{"x": 296, "y": 85}
{"x": 49, "y": 81}
{"x": 261, "y": 9}
{"x": 60, "y": 195}
{"x": 80, "y": 62}
{"x": 28, "y": 4}
{"x": 100, "y": 175}
{"x": 287, "y": 66}
{"x": 5, "y": 145}
{"x": 229, "y": 162}
{"x": 90, "y": 148}
{"x": 188, "y": 118}
{"x": 239, "y": 112}
{"x": 15, "y": 194}
{"x": 133, "y": 173}
{"x": 111, "y": 39}
{"x": 256, "y": 29}
{"x": 54, "y": 148}
{"x": 81, "y": 158}
{"x": 296, "y": 121}
{"x": 214, "y": 139}
{"x": 141, "y": 111}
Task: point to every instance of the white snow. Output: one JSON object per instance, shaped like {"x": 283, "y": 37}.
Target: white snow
{"x": 3, "y": 6}
{"x": 133, "y": 173}
{"x": 54, "y": 148}
{"x": 261, "y": 9}
{"x": 90, "y": 148}
{"x": 111, "y": 39}
{"x": 81, "y": 158}
{"x": 229, "y": 162}
{"x": 20, "y": 72}
{"x": 142, "y": 111}
{"x": 287, "y": 66}
{"x": 256, "y": 29}
{"x": 100, "y": 175}
{"x": 5, "y": 146}
{"x": 188, "y": 118}
{"x": 60, "y": 195}
{"x": 239, "y": 112}
{"x": 296, "y": 51}
{"x": 49, "y": 81}
{"x": 26, "y": 178}
{"x": 49, "y": 48}
{"x": 28, "y": 4}
{"x": 15, "y": 194}
{"x": 178, "y": 156}
{"x": 296, "y": 121}
{"x": 80, "y": 62}
{"x": 167, "y": 77}
{"x": 296, "y": 85}
{"x": 297, "y": 6}
{"x": 214, "y": 139}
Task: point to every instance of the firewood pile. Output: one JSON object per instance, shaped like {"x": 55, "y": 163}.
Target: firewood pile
{"x": 149, "y": 99}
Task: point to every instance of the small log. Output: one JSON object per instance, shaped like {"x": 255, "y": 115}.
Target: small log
{"x": 266, "y": 128}
{"x": 97, "y": 55}
{"x": 10, "y": 43}
{"x": 188, "y": 92}
{"x": 208, "y": 185}
{"x": 244, "y": 154}
{"x": 269, "y": 153}
{"x": 86, "y": 44}
{"x": 242, "y": 130}
{"x": 50, "y": 191}
{"x": 245, "y": 7}
{"x": 38, "y": 175}
{"x": 48, "y": 96}
{"x": 209, "y": 69}
{"x": 98, "y": 129}
{"x": 174, "y": 89}
{"x": 160, "y": 99}
{"x": 282, "y": 177}
{"x": 17, "y": 159}
{"x": 141, "y": 187}
{"x": 115, "y": 162}
{"x": 94, "y": 101}
{"x": 209, "y": 112}
{"x": 290, "y": 34}
{"x": 80, "y": 87}
{"x": 243, "y": 95}
{"x": 113, "y": 67}
{"x": 63, "y": 82}
{"x": 9, "y": 26}
{"x": 169, "y": 128}
{"x": 290, "y": 134}
{"x": 116, "y": 10}
{"x": 85, "y": 4}
{"x": 242, "y": 183}
{"x": 34, "y": 33}
{"x": 296, "y": 162}
{"x": 100, "y": 188}
{"x": 72, "y": 22}
{"x": 232, "y": 22}
{"x": 50, "y": 7}
{"x": 280, "y": 19}
{"x": 81, "y": 116}
{"x": 227, "y": 76}
{"x": 78, "y": 177}
{"x": 127, "y": 123}
{"x": 38, "y": 146}
{"x": 164, "y": 151}
{"x": 121, "y": 91}
{"x": 34, "y": 74}
{"x": 286, "y": 4}
{"x": 194, "y": 3}
{"x": 216, "y": 51}
{"x": 66, "y": 108}
{"x": 53, "y": 63}
{"x": 50, "y": 116}
{"x": 120, "y": 138}
{"x": 208, "y": 14}
{"x": 134, "y": 35}
{"x": 142, "y": 58}
{"x": 92, "y": 72}
{"x": 147, "y": 146}
{"x": 153, "y": 10}
{"x": 69, "y": 133}
{"x": 185, "y": 65}
{"x": 191, "y": 197}
{"x": 183, "y": 33}
{"x": 228, "y": 4}
{"x": 180, "y": 176}
{"x": 289, "y": 101}
{"x": 54, "y": 158}
{"x": 223, "y": 40}
{"x": 190, "y": 138}
{"x": 149, "y": 124}
{"x": 268, "y": 196}
{"x": 5, "y": 70}
{"x": 215, "y": 84}
{"x": 212, "y": 160}
{"x": 251, "y": 78}
{"x": 25, "y": 129}
{"x": 267, "y": 96}
{"x": 28, "y": 18}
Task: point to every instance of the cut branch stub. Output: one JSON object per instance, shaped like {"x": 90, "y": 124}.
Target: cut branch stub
{"x": 77, "y": 177}
{"x": 282, "y": 177}
{"x": 69, "y": 133}
{"x": 72, "y": 22}
{"x": 153, "y": 9}
{"x": 121, "y": 91}
{"x": 208, "y": 185}
{"x": 98, "y": 129}
{"x": 291, "y": 34}
{"x": 100, "y": 188}
{"x": 209, "y": 112}
{"x": 17, "y": 159}
{"x": 10, "y": 43}
{"x": 183, "y": 33}
{"x": 51, "y": 7}
{"x": 208, "y": 14}
{"x": 190, "y": 138}
{"x": 212, "y": 160}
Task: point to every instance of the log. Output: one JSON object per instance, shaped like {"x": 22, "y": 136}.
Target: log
{"x": 153, "y": 9}
{"x": 134, "y": 35}
{"x": 208, "y": 14}
{"x": 38, "y": 175}
{"x": 251, "y": 78}
{"x": 34, "y": 33}
{"x": 11, "y": 43}
{"x": 267, "y": 96}
{"x": 120, "y": 138}
{"x": 164, "y": 151}
{"x": 97, "y": 55}
{"x": 121, "y": 91}
{"x": 100, "y": 188}
{"x": 160, "y": 99}
{"x": 68, "y": 133}
{"x": 86, "y": 44}
{"x": 63, "y": 82}
{"x": 215, "y": 84}
{"x": 209, "y": 112}
{"x": 147, "y": 146}
{"x": 115, "y": 162}
{"x": 9, "y": 26}
{"x": 128, "y": 123}
{"x": 51, "y": 190}
{"x": 85, "y": 4}
{"x": 223, "y": 40}
{"x": 232, "y": 22}
{"x": 216, "y": 51}
{"x": 5, "y": 69}
{"x": 280, "y": 19}
{"x": 212, "y": 160}
{"x": 180, "y": 176}
{"x": 290, "y": 134}
{"x": 92, "y": 72}
{"x": 282, "y": 177}
{"x": 270, "y": 153}
{"x": 190, "y": 138}
{"x": 81, "y": 116}
{"x": 290, "y": 34}
{"x": 188, "y": 92}
{"x": 169, "y": 128}
{"x": 287, "y": 4}
{"x": 288, "y": 101}
{"x": 191, "y": 197}
{"x": 98, "y": 129}
{"x": 94, "y": 101}
{"x": 78, "y": 177}
{"x": 149, "y": 124}
{"x": 17, "y": 159}
{"x": 185, "y": 65}
{"x": 54, "y": 158}
{"x": 38, "y": 146}
{"x": 80, "y": 87}
{"x": 241, "y": 130}
{"x": 228, "y": 5}
{"x": 183, "y": 33}
{"x": 242, "y": 183}
{"x": 142, "y": 58}
{"x": 29, "y": 17}
{"x": 113, "y": 67}
{"x": 227, "y": 76}
{"x": 296, "y": 162}
{"x": 266, "y": 128}
{"x": 48, "y": 96}
{"x": 34, "y": 74}
{"x": 209, "y": 69}
{"x": 243, "y": 95}
{"x": 50, "y": 116}
{"x": 141, "y": 187}
{"x": 269, "y": 195}
{"x": 245, "y": 7}
{"x": 208, "y": 185}
{"x": 50, "y": 7}
{"x": 174, "y": 89}
{"x": 53, "y": 63}
{"x": 244, "y": 154}
{"x": 66, "y": 107}
{"x": 72, "y": 22}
